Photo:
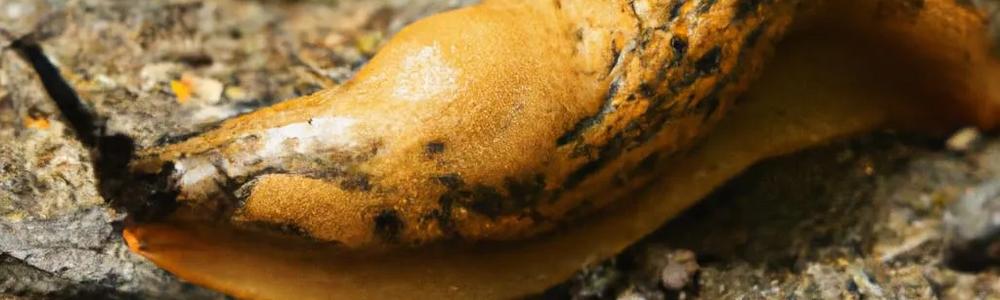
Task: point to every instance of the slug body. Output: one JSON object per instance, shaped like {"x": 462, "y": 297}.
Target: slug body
{"x": 530, "y": 114}
{"x": 504, "y": 120}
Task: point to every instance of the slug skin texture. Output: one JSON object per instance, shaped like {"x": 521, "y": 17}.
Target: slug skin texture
{"x": 491, "y": 151}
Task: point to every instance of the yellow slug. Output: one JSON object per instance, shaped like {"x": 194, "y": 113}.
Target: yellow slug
{"x": 443, "y": 168}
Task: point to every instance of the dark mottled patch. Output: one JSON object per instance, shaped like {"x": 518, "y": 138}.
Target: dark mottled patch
{"x": 584, "y": 124}
{"x": 372, "y": 148}
{"x": 652, "y": 120}
{"x": 356, "y": 182}
{"x": 675, "y": 10}
{"x": 443, "y": 213}
{"x": 680, "y": 47}
{"x": 487, "y": 201}
{"x": 709, "y": 104}
{"x": 661, "y": 110}
{"x": 646, "y": 90}
{"x": 705, "y": 5}
{"x": 709, "y": 62}
{"x": 451, "y": 181}
{"x": 615, "y": 56}
{"x": 751, "y": 39}
{"x": 686, "y": 80}
{"x": 744, "y": 8}
{"x": 434, "y": 147}
{"x": 521, "y": 196}
{"x": 528, "y": 190}
{"x": 609, "y": 152}
{"x": 388, "y": 225}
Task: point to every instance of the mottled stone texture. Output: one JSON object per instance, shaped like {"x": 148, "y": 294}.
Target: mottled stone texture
{"x": 57, "y": 235}
{"x": 861, "y": 219}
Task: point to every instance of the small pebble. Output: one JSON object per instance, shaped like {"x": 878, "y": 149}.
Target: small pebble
{"x": 972, "y": 225}
{"x": 679, "y": 271}
{"x": 963, "y": 140}
{"x": 205, "y": 89}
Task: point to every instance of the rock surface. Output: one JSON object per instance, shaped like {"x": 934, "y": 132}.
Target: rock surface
{"x": 57, "y": 235}
{"x": 859, "y": 219}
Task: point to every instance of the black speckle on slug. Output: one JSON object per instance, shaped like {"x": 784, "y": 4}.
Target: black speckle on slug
{"x": 646, "y": 91}
{"x": 443, "y": 213}
{"x": 612, "y": 150}
{"x": 675, "y": 10}
{"x": 705, "y": 5}
{"x": 709, "y": 62}
{"x": 752, "y": 38}
{"x": 615, "y": 56}
{"x": 435, "y": 147}
{"x": 388, "y": 225}
{"x": 709, "y": 105}
{"x": 680, "y": 47}
{"x": 486, "y": 201}
{"x": 528, "y": 190}
{"x": 451, "y": 181}
{"x": 576, "y": 132}
{"x": 520, "y": 197}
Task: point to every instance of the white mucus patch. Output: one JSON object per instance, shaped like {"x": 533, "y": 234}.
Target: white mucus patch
{"x": 305, "y": 137}
{"x": 198, "y": 173}
{"x": 425, "y": 75}
{"x": 196, "y": 176}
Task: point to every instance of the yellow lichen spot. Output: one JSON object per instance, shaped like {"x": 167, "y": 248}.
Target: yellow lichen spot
{"x": 182, "y": 90}
{"x": 842, "y": 262}
{"x": 14, "y": 217}
{"x": 235, "y": 92}
{"x": 369, "y": 42}
{"x": 39, "y": 122}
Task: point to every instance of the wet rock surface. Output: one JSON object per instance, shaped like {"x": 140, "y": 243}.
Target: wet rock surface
{"x": 864, "y": 218}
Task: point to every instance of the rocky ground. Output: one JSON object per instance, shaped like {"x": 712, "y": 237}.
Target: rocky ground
{"x": 866, "y": 218}
{"x": 869, "y": 218}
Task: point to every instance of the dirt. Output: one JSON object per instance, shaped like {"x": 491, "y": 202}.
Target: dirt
{"x": 872, "y": 217}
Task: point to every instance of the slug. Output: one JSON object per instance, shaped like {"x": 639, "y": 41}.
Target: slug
{"x": 501, "y": 146}
{"x": 461, "y": 134}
